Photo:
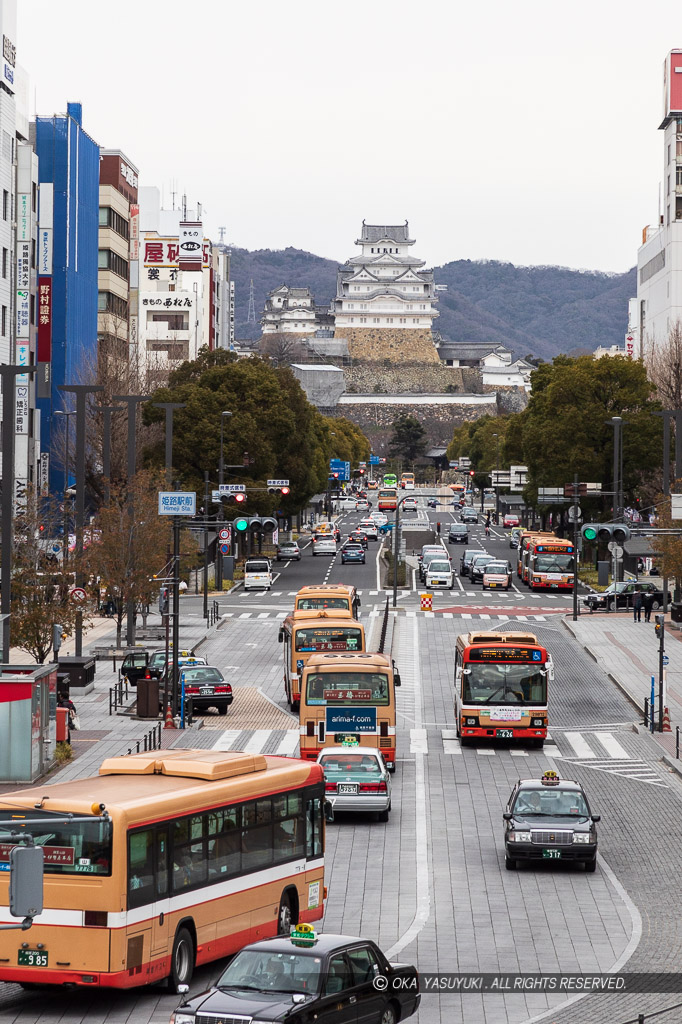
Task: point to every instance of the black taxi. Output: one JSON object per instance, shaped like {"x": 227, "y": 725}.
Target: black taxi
{"x": 549, "y": 819}
{"x": 307, "y": 976}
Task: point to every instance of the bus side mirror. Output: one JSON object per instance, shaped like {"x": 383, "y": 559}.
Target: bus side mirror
{"x": 280, "y": 636}
{"x": 26, "y": 881}
{"x": 328, "y": 810}
{"x": 396, "y": 679}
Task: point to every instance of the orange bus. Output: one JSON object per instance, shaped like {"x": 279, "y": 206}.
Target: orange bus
{"x": 387, "y": 499}
{"x": 407, "y": 481}
{"x": 306, "y": 633}
{"x": 328, "y": 597}
{"x": 522, "y": 561}
{"x": 348, "y": 695}
{"x": 204, "y": 851}
{"x": 501, "y": 687}
{"x": 551, "y": 563}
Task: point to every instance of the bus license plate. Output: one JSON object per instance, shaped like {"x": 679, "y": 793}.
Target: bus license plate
{"x": 347, "y": 787}
{"x": 504, "y": 734}
{"x": 551, "y": 854}
{"x": 32, "y": 958}
{"x": 554, "y": 586}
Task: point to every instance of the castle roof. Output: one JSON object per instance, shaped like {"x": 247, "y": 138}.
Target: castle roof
{"x": 377, "y": 232}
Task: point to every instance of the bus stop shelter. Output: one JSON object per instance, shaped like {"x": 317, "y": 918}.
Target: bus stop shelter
{"x": 28, "y": 721}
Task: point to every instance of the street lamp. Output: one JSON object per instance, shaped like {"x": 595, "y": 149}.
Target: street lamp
{"x": 221, "y": 479}
{"x": 221, "y": 470}
{"x": 497, "y": 478}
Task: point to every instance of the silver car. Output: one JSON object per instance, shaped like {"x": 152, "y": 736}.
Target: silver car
{"x": 324, "y": 544}
{"x": 356, "y": 779}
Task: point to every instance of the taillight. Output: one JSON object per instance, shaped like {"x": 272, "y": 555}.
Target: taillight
{"x": 223, "y": 689}
{"x": 372, "y": 787}
{"x": 191, "y": 689}
{"x": 96, "y": 918}
{"x": 330, "y": 787}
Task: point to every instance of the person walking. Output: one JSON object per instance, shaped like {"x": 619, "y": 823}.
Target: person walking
{"x": 487, "y": 526}
{"x": 64, "y": 701}
{"x": 637, "y": 605}
{"x": 647, "y": 602}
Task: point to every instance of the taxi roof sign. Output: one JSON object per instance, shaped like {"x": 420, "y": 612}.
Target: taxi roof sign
{"x": 303, "y": 935}
{"x": 550, "y": 779}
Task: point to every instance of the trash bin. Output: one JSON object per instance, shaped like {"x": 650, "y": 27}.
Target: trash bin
{"x": 147, "y": 698}
{"x": 81, "y": 671}
{"x": 676, "y": 611}
{"x": 62, "y": 725}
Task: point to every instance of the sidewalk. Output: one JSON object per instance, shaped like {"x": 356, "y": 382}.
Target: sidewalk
{"x": 627, "y": 651}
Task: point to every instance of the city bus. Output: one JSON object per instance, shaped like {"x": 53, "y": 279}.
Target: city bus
{"x": 201, "y": 852}
{"x": 501, "y": 687}
{"x": 348, "y": 696}
{"x": 328, "y": 597}
{"x": 387, "y": 499}
{"x": 305, "y": 633}
{"x": 522, "y": 559}
{"x": 407, "y": 481}
{"x": 390, "y": 480}
{"x": 551, "y": 563}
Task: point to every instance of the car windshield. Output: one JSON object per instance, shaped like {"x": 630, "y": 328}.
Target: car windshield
{"x": 481, "y": 560}
{"x": 553, "y": 563}
{"x": 313, "y": 604}
{"x": 203, "y": 675}
{"x": 496, "y": 567}
{"x": 157, "y": 660}
{"x": 458, "y": 529}
{"x": 504, "y": 684}
{"x": 328, "y": 638}
{"x": 430, "y": 556}
{"x": 367, "y": 764}
{"x": 267, "y": 971}
{"x": 435, "y": 566}
{"x": 550, "y": 803}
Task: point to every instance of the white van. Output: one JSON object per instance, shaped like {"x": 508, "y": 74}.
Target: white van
{"x": 440, "y": 573}
{"x": 257, "y": 574}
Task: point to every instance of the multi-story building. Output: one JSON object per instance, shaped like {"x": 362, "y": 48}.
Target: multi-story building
{"x": 658, "y": 305}
{"x": 293, "y": 311}
{"x": 69, "y": 215}
{"x": 118, "y": 216}
{"x": 182, "y": 302}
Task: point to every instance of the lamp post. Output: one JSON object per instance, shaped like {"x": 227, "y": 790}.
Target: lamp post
{"x": 170, "y": 408}
{"x": 497, "y": 478}
{"x": 132, "y": 401}
{"x": 107, "y": 412}
{"x": 221, "y": 468}
{"x": 225, "y": 414}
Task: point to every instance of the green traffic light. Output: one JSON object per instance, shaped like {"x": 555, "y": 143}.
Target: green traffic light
{"x": 241, "y": 524}
{"x": 589, "y": 533}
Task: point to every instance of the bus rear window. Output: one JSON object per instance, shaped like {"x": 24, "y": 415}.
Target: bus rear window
{"x": 345, "y": 689}
{"x": 313, "y": 604}
{"x": 321, "y": 638}
{"x": 79, "y": 848}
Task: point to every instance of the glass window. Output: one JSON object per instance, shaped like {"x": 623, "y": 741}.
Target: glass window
{"x": 189, "y": 854}
{"x": 141, "y": 887}
{"x": 71, "y": 849}
{"x": 314, "y": 828}
{"x": 162, "y": 851}
{"x": 339, "y": 977}
{"x": 363, "y": 963}
{"x": 282, "y": 972}
{"x": 224, "y": 842}
{"x": 347, "y": 688}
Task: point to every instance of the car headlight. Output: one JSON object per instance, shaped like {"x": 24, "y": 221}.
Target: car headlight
{"x": 583, "y": 837}
{"x": 519, "y": 837}
{"x": 181, "y": 1017}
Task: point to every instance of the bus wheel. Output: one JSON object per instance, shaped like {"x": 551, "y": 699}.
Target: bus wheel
{"x": 182, "y": 960}
{"x": 285, "y": 916}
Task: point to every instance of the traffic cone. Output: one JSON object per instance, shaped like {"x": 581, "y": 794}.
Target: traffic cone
{"x": 169, "y": 723}
{"x": 666, "y": 721}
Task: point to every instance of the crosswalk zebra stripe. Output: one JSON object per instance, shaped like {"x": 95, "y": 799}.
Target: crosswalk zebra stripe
{"x": 289, "y": 745}
{"x": 226, "y": 739}
{"x": 245, "y": 615}
{"x": 579, "y": 745}
{"x": 418, "y": 741}
{"x": 611, "y": 745}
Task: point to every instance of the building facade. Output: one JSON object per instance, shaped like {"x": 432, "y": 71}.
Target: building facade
{"x": 68, "y": 170}
{"x": 293, "y": 311}
{"x": 658, "y": 305}
{"x": 118, "y": 213}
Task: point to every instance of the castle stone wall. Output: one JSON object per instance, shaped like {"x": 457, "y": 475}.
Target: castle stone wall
{"x": 377, "y": 345}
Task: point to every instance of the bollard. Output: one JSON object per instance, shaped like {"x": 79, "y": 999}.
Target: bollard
{"x": 646, "y": 712}
{"x": 677, "y": 742}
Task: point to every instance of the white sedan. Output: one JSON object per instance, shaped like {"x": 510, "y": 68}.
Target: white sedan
{"x": 410, "y": 505}
{"x": 379, "y": 519}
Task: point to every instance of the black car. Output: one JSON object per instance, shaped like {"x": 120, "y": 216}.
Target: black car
{"x": 467, "y": 557}
{"x": 307, "y": 977}
{"x": 458, "y": 534}
{"x": 476, "y": 568}
{"x": 468, "y": 515}
{"x": 207, "y": 688}
{"x": 358, "y": 537}
{"x": 549, "y": 819}
{"x": 352, "y": 553}
{"x": 624, "y": 592}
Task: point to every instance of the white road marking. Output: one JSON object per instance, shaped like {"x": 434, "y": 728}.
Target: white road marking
{"x": 226, "y": 739}
{"x": 484, "y": 751}
{"x": 418, "y": 741}
{"x": 551, "y": 750}
{"x": 579, "y": 744}
{"x": 289, "y": 744}
{"x": 611, "y": 745}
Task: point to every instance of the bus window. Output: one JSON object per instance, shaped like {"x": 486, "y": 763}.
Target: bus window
{"x": 314, "y": 828}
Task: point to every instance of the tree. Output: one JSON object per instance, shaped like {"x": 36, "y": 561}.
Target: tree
{"x": 283, "y": 349}
{"x": 664, "y": 366}
{"x": 408, "y": 439}
{"x": 128, "y": 553}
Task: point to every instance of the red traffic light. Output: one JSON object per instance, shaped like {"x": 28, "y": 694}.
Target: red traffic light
{"x": 471, "y": 472}
{"x": 336, "y": 476}
{"x": 240, "y": 497}
{"x": 285, "y": 490}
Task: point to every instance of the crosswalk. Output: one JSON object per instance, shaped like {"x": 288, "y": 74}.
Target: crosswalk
{"x": 242, "y": 594}
{"x": 259, "y": 741}
{"x": 375, "y": 612}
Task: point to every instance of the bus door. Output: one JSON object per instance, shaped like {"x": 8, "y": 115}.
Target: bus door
{"x": 148, "y": 884}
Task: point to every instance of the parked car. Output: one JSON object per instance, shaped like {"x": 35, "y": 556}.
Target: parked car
{"x": 324, "y": 544}
{"x": 477, "y": 566}
{"x": 623, "y": 593}
{"x": 352, "y": 552}
{"x": 439, "y": 574}
{"x": 511, "y": 519}
{"x": 458, "y": 533}
{"x": 468, "y": 515}
{"x": 467, "y": 558}
{"x": 257, "y": 574}
{"x": 410, "y": 505}
{"x": 288, "y": 549}
{"x": 356, "y": 779}
{"x": 207, "y": 687}
{"x": 497, "y": 576}
{"x": 306, "y": 976}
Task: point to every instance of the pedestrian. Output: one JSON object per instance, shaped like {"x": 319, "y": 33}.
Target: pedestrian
{"x": 648, "y": 602}
{"x": 637, "y": 605}
{"x": 64, "y": 701}
{"x": 438, "y": 529}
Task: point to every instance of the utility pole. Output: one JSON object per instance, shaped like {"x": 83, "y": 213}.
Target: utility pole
{"x": 665, "y": 416}
{"x": 170, "y": 408}
{"x": 576, "y": 512}
{"x": 107, "y": 412}
{"x": 8, "y": 375}
{"x": 660, "y": 633}
{"x": 207, "y": 497}
{"x": 396, "y": 550}
{"x": 616, "y": 422}
{"x": 497, "y": 478}
{"x": 221, "y": 515}
{"x": 132, "y": 402}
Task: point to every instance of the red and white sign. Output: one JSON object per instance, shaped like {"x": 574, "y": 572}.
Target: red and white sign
{"x": 51, "y": 854}
{"x": 363, "y": 695}
{"x": 77, "y": 595}
{"x": 165, "y": 252}
{"x": 44, "y": 319}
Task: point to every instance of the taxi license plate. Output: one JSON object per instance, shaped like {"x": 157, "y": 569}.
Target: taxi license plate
{"x": 347, "y": 787}
{"x": 551, "y": 854}
{"x": 32, "y": 958}
{"x": 205, "y": 691}
{"x": 504, "y": 734}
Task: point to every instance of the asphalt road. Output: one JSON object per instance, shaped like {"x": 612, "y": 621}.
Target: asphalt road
{"x": 430, "y": 885}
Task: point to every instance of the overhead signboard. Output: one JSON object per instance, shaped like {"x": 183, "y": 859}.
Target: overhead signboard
{"x": 551, "y": 495}
{"x": 676, "y": 506}
{"x": 231, "y": 488}
{"x": 518, "y": 478}
{"x": 278, "y": 483}
{"x": 177, "y": 503}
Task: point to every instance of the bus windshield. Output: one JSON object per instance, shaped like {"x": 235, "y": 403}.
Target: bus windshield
{"x": 348, "y": 688}
{"x": 553, "y": 562}
{"x": 79, "y": 848}
{"x": 328, "y": 638}
{"x": 390, "y": 480}
{"x": 504, "y": 684}
{"x": 313, "y": 604}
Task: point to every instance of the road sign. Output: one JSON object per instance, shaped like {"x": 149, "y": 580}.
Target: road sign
{"x": 453, "y": 465}
{"x": 551, "y": 495}
{"x": 77, "y": 595}
{"x": 340, "y": 467}
{"x": 280, "y": 483}
{"x": 232, "y": 488}
{"x": 224, "y": 534}
{"x": 177, "y": 503}
{"x": 615, "y": 549}
{"x": 666, "y": 659}
{"x": 574, "y": 513}
{"x": 374, "y": 460}
{"x": 464, "y": 462}
{"x": 224, "y": 549}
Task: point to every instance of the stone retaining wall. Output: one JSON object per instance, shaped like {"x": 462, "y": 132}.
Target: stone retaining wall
{"x": 432, "y": 378}
{"x": 439, "y": 421}
{"x": 374, "y": 345}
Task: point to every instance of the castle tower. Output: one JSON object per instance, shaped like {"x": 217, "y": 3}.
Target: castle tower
{"x": 384, "y": 299}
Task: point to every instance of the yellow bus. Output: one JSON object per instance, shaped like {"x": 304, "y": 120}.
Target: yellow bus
{"x": 501, "y": 687}
{"x": 387, "y": 499}
{"x": 204, "y": 851}
{"x": 328, "y": 597}
{"x": 306, "y": 633}
{"x": 348, "y": 695}
{"x": 407, "y": 481}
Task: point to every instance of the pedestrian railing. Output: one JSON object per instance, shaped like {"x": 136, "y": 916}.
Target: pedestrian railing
{"x": 384, "y": 627}
{"x": 213, "y": 613}
{"x": 150, "y": 741}
{"x": 117, "y": 693}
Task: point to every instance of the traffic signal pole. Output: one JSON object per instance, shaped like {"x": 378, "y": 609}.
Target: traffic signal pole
{"x": 660, "y": 633}
{"x": 575, "y": 547}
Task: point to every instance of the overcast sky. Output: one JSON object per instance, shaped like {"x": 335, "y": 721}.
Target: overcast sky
{"x": 524, "y": 132}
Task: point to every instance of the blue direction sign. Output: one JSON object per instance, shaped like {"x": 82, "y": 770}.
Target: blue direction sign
{"x": 374, "y": 460}
{"x": 340, "y": 467}
{"x": 666, "y": 659}
{"x": 177, "y": 503}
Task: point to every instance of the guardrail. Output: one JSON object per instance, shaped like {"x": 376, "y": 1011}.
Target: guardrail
{"x": 213, "y": 613}
{"x": 117, "y": 693}
{"x": 384, "y": 627}
{"x": 150, "y": 741}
